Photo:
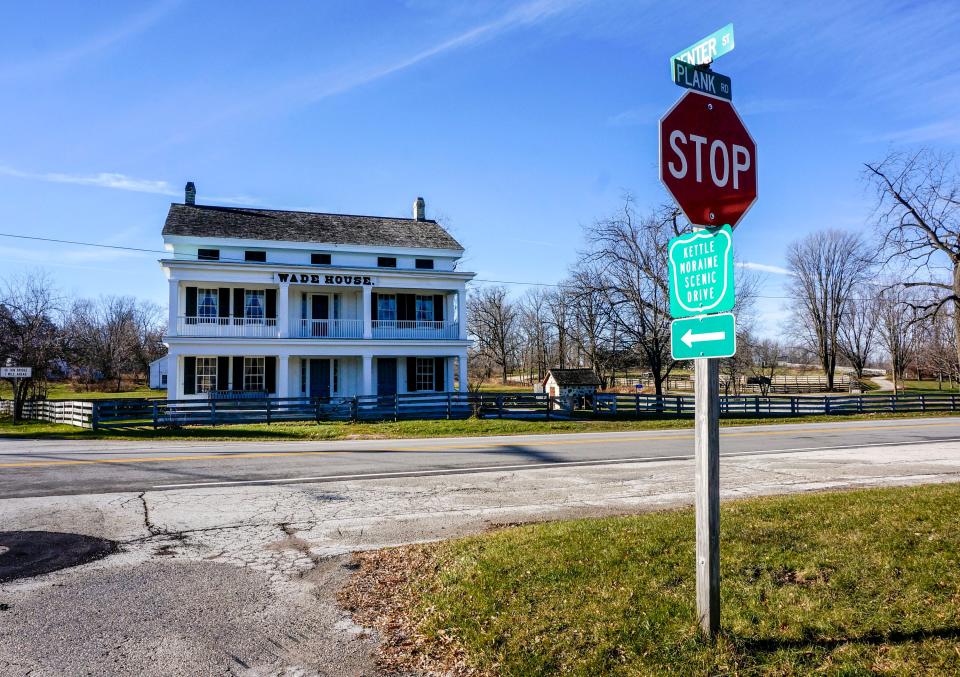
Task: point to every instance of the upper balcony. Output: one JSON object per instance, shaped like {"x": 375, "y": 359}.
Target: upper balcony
{"x": 246, "y": 327}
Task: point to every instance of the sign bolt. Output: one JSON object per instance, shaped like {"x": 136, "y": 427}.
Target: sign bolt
{"x": 712, "y": 216}
{"x": 709, "y": 106}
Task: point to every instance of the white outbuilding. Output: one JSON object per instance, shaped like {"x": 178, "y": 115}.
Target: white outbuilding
{"x": 158, "y": 373}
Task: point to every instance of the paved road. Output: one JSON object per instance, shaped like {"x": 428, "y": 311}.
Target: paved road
{"x": 44, "y": 468}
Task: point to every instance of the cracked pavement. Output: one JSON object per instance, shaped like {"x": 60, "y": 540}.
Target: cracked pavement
{"x": 242, "y": 580}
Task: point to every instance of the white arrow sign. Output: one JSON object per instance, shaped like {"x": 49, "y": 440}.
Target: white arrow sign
{"x": 690, "y": 338}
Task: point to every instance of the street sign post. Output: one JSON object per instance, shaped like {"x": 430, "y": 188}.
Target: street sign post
{"x": 708, "y": 160}
{"x": 700, "y": 266}
{"x": 703, "y": 336}
{"x": 706, "y": 50}
{"x": 16, "y": 372}
{"x": 702, "y": 80}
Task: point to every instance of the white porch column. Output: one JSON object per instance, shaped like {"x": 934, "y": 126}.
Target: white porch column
{"x": 283, "y": 376}
{"x": 174, "y": 375}
{"x": 173, "y": 308}
{"x": 367, "y": 314}
{"x": 462, "y": 376}
{"x": 448, "y": 374}
{"x": 366, "y": 381}
{"x": 462, "y": 312}
{"x": 283, "y": 311}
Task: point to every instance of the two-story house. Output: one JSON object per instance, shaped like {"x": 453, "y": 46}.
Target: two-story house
{"x": 303, "y": 304}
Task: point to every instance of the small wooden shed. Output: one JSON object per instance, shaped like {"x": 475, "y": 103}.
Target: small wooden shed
{"x": 566, "y": 385}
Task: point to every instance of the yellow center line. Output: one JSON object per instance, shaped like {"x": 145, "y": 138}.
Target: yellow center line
{"x": 685, "y": 435}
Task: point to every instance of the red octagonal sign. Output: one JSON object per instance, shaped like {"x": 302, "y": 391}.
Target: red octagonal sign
{"x": 708, "y": 160}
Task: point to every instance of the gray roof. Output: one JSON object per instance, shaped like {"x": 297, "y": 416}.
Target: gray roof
{"x": 273, "y": 224}
{"x": 575, "y": 377}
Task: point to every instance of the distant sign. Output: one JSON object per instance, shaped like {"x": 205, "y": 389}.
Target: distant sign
{"x": 706, "y": 50}
{"x": 702, "y": 80}
{"x": 703, "y": 336}
{"x": 16, "y": 372}
{"x": 701, "y": 272}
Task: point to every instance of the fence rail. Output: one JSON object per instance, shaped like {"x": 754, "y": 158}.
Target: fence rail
{"x": 141, "y": 413}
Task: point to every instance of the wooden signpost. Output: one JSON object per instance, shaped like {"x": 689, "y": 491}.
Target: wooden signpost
{"x": 708, "y": 163}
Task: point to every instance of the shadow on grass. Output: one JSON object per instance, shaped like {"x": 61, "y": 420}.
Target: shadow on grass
{"x": 771, "y": 645}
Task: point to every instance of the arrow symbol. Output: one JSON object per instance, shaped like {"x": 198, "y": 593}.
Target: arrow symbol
{"x": 690, "y": 338}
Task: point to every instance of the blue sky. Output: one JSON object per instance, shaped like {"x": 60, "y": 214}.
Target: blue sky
{"x": 519, "y": 123}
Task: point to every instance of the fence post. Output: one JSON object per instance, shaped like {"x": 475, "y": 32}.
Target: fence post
{"x": 549, "y": 405}
{"x": 316, "y": 406}
{"x": 826, "y": 404}
{"x": 268, "y": 410}
{"x": 155, "y": 417}
{"x": 499, "y": 401}
{"x": 449, "y": 405}
{"x": 953, "y": 403}
{"x": 923, "y": 403}
{"x": 893, "y": 403}
{"x": 213, "y": 412}
{"x": 756, "y": 405}
{"x": 355, "y": 409}
{"x": 396, "y": 407}
{"x": 95, "y": 416}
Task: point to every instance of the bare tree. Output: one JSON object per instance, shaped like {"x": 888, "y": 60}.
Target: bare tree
{"x": 918, "y": 213}
{"x": 591, "y": 318}
{"x": 764, "y": 358}
{"x": 827, "y": 266}
{"x": 558, "y": 305}
{"x": 29, "y": 336}
{"x": 494, "y": 324}
{"x": 857, "y": 331}
{"x": 534, "y": 324}
{"x": 897, "y": 329}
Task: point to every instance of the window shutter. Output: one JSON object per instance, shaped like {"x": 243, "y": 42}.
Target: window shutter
{"x": 239, "y": 300}
{"x": 238, "y": 372}
{"x": 271, "y": 312}
{"x": 406, "y": 307}
{"x": 270, "y": 366}
{"x": 373, "y": 306}
{"x": 223, "y": 302}
{"x": 438, "y": 308}
{"x": 190, "y": 372}
{"x": 223, "y": 369}
{"x": 438, "y": 374}
{"x": 411, "y": 374}
{"x": 191, "y": 301}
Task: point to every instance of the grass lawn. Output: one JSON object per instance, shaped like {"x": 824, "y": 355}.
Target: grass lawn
{"x": 471, "y": 427}
{"x": 844, "y": 583}
{"x": 64, "y": 391}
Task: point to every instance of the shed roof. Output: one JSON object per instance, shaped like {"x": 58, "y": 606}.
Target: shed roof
{"x": 313, "y": 227}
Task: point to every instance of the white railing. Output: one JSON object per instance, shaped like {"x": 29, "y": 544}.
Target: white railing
{"x": 245, "y": 327}
{"x": 328, "y": 329}
{"x": 412, "y": 329}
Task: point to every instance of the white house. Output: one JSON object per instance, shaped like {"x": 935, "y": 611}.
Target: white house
{"x": 158, "y": 373}
{"x": 307, "y": 304}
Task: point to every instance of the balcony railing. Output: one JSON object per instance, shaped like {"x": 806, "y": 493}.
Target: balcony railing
{"x": 328, "y": 329}
{"x": 412, "y": 329}
{"x": 227, "y": 327}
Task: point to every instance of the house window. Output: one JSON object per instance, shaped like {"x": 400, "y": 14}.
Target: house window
{"x": 425, "y": 373}
{"x": 425, "y": 264}
{"x": 255, "y": 257}
{"x": 207, "y": 304}
{"x": 253, "y": 304}
{"x": 163, "y": 379}
{"x": 387, "y": 307}
{"x": 206, "y": 374}
{"x": 386, "y": 262}
{"x": 320, "y": 259}
{"x": 254, "y": 373}
{"x": 208, "y": 254}
{"x": 424, "y": 309}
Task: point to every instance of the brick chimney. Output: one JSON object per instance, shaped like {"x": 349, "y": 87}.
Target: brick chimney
{"x": 420, "y": 209}
{"x": 190, "y": 194}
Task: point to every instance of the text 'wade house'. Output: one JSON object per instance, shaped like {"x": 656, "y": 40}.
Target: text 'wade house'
{"x": 298, "y": 304}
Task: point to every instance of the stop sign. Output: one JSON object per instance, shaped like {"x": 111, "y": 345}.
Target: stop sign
{"x": 708, "y": 160}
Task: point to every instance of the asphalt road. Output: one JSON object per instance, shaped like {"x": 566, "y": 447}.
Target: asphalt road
{"x": 52, "y": 467}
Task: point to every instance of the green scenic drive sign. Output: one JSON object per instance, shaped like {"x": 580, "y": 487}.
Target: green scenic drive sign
{"x": 702, "y": 80}
{"x": 701, "y": 272}
{"x": 703, "y": 336}
{"x": 706, "y": 50}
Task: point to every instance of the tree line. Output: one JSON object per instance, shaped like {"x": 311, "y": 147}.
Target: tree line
{"x": 93, "y": 342}
{"x": 887, "y": 296}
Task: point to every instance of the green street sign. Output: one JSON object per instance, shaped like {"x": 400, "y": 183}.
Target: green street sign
{"x": 702, "y": 80}
{"x": 700, "y": 268}
{"x": 706, "y": 50}
{"x": 703, "y": 336}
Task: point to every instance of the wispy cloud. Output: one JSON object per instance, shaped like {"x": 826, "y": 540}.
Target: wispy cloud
{"x": 641, "y": 115}
{"x": 943, "y": 130}
{"x": 762, "y": 267}
{"x": 118, "y": 181}
{"x": 63, "y": 59}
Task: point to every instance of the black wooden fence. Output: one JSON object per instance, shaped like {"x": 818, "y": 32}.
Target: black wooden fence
{"x": 136, "y": 413}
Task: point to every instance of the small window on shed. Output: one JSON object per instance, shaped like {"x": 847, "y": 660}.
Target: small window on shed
{"x": 208, "y": 254}
{"x": 320, "y": 259}
{"x": 425, "y": 264}
{"x": 386, "y": 262}
{"x": 254, "y": 256}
